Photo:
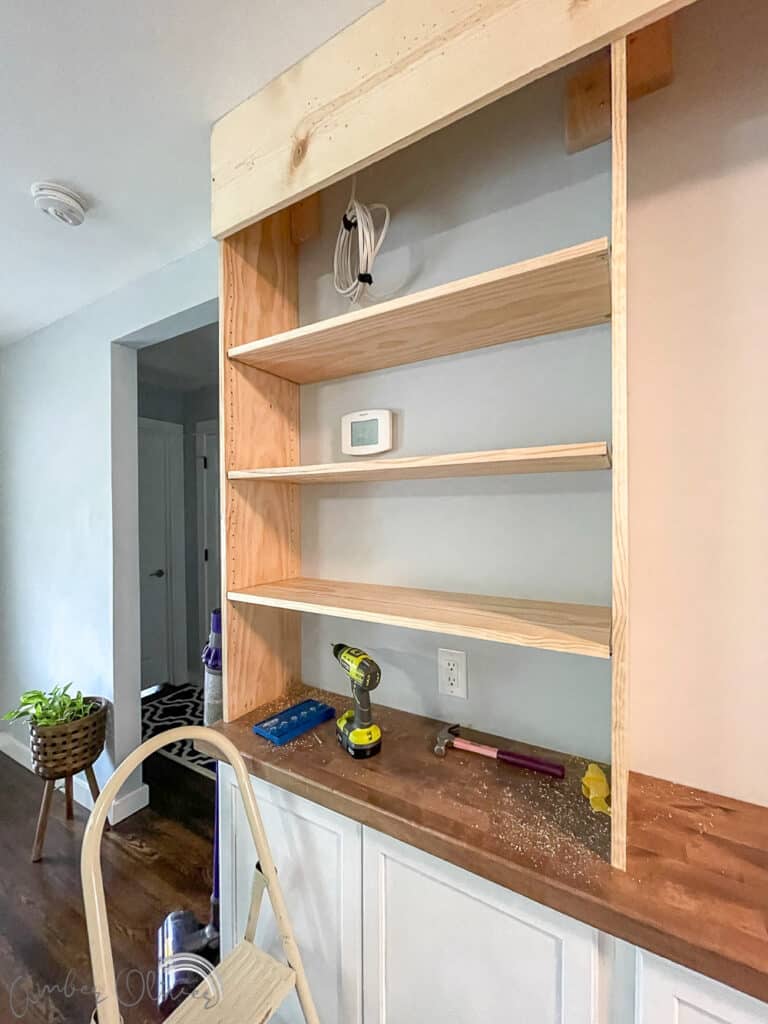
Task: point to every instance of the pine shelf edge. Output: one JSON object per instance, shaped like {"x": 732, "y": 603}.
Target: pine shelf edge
{"x": 545, "y": 625}
{"x": 556, "y": 458}
{"x": 559, "y": 291}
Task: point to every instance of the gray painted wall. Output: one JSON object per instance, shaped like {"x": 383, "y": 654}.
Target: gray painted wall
{"x": 159, "y": 402}
{"x": 493, "y": 189}
{"x": 58, "y": 581}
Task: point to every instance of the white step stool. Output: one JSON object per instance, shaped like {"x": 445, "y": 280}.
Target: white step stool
{"x": 248, "y": 986}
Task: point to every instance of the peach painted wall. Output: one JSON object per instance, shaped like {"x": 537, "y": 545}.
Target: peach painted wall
{"x": 698, "y": 248}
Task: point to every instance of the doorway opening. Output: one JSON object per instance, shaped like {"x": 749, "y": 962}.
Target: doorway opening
{"x": 179, "y": 541}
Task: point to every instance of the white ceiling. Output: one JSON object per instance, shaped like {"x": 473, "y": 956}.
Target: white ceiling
{"x": 116, "y": 100}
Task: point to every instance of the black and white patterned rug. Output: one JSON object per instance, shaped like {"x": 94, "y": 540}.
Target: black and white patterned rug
{"x": 173, "y": 706}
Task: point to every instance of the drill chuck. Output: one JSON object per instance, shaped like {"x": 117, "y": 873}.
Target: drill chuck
{"x": 359, "y": 666}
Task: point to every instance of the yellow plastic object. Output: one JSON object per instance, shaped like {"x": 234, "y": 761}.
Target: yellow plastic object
{"x": 364, "y": 737}
{"x": 594, "y": 786}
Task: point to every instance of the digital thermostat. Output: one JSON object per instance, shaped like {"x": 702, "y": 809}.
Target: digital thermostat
{"x": 367, "y": 432}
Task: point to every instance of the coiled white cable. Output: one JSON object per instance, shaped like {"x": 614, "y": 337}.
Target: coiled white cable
{"x": 357, "y": 247}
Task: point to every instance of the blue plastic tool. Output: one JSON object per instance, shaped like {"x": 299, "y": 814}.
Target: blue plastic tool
{"x": 292, "y": 722}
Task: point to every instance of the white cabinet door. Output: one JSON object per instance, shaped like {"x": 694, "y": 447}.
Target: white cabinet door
{"x": 318, "y": 858}
{"x": 441, "y": 944}
{"x": 669, "y": 994}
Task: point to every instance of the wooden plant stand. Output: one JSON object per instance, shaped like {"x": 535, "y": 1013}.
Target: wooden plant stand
{"x": 60, "y": 752}
{"x": 45, "y": 806}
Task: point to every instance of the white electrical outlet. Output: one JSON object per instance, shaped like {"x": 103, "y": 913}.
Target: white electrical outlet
{"x": 452, "y": 673}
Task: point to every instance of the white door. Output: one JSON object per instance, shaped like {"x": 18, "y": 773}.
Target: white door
{"x": 669, "y": 994}
{"x": 161, "y": 552}
{"x": 317, "y": 854}
{"x": 441, "y": 944}
{"x": 208, "y": 521}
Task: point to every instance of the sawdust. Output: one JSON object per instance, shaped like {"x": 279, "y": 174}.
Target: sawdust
{"x": 517, "y": 815}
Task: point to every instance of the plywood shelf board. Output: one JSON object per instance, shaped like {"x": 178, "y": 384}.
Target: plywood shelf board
{"x": 552, "y": 626}
{"x": 555, "y": 458}
{"x": 560, "y": 291}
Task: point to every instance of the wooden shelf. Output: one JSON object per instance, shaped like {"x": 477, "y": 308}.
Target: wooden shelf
{"x": 553, "y": 458}
{"x": 572, "y": 628}
{"x": 557, "y": 292}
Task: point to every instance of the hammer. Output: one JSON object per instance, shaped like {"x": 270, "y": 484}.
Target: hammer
{"x": 449, "y": 737}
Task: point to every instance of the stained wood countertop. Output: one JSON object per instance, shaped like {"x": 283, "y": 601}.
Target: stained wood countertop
{"x": 696, "y": 887}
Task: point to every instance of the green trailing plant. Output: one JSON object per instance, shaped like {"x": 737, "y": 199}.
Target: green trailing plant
{"x": 52, "y": 708}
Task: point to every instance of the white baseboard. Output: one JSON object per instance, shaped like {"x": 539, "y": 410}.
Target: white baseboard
{"x": 125, "y": 805}
{"x": 130, "y": 803}
{"x": 122, "y": 808}
{"x": 15, "y": 749}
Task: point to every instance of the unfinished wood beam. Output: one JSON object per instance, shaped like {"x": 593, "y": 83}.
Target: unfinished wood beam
{"x": 588, "y": 92}
{"x": 403, "y": 70}
{"x": 260, "y": 424}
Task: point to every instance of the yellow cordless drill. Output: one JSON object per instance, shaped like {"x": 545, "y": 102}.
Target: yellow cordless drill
{"x": 355, "y": 730}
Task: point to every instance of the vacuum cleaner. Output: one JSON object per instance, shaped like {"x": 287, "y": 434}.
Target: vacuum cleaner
{"x": 185, "y": 946}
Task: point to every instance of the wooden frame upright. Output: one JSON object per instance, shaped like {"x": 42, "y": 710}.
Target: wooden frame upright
{"x": 620, "y": 475}
{"x": 260, "y": 539}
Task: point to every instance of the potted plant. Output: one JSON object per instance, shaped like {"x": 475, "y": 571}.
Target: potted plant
{"x": 66, "y": 732}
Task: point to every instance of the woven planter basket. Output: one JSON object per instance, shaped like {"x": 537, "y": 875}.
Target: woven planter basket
{"x": 59, "y": 751}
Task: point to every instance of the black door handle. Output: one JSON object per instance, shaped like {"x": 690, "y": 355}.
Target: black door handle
{"x": 159, "y": 573}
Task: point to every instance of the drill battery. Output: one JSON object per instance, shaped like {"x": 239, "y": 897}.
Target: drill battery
{"x": 360, "y": 742}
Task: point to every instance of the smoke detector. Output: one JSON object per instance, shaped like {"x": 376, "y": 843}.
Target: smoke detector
{"x": 59, "y": 202}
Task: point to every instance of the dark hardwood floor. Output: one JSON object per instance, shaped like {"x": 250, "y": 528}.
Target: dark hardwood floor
{"x": 151, "y": 865}
{"x": 181, "y": 794}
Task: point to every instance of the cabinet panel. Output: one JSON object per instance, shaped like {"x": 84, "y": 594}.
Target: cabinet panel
{"x": 443, "y": 944}
{"x": 669, "y": 994}
{"x": 318, "y": 858}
